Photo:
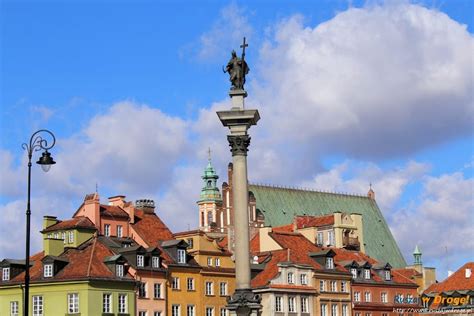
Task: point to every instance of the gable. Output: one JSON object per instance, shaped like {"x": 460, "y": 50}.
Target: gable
{"x": 281, "y": 205}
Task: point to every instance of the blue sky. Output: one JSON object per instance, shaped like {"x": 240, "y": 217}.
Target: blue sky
{"x": 361, "y": 91}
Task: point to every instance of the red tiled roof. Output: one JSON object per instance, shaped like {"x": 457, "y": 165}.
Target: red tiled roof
{"x": 255, "y": 244}
{"x": 77, "y": 222}
{"x": 151, "y": 228}
{"x": 112, "y": 211}
{"x": 456, "y": 281}
{"x": 83, "y": 263}
{"x": 314, "y": 221}
{"x": 285, "y": 228}
{"x": 408, "y": 274}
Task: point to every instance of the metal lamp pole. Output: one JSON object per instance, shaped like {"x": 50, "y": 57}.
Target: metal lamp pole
{"x": 37, "y": 142}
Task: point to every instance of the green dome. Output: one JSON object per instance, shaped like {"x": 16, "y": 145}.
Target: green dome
{"x": 210, "y": 192}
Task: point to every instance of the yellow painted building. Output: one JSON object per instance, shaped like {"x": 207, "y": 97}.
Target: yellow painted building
{"x": 204, "y": 279}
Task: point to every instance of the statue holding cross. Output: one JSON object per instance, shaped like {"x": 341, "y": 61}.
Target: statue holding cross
{"x": 237, "y": 68}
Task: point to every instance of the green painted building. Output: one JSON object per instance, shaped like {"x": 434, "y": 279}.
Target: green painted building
{"x": 280, "y": 205}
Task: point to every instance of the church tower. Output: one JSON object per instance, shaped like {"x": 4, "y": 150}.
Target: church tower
{"x": 210, "y": 201}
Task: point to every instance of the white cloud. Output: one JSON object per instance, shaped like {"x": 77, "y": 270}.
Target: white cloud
{"x": 227, "y": 31}
{"x": 374, "y": 82}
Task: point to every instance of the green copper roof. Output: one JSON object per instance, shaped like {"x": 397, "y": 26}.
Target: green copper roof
{"x": 210, "y": 191}
{"x": 280, "y": 205}
{"x": 417, "y": 251}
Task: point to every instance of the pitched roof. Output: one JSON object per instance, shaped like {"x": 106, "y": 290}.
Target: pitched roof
{"x": 112, "y": 211}
{"x": 456, "y": 281}
{"x": 314, "y": 221}
{"x": 281, "y": 205}
{"x": 85, "y": 262}
{"x": 73, "y": 223}
{"x": 151, "y": 228}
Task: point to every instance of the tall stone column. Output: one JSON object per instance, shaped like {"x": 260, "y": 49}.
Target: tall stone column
{"x": 243, "y": 302}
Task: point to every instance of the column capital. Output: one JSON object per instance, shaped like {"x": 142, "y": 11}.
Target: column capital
{"x": 244, "y": 303}
{"x": 239, "y": 144}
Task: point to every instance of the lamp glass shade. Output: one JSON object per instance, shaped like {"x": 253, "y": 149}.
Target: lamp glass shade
{"x": 46, "y": 161}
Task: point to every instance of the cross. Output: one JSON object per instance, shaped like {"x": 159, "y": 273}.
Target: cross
{"x": 209, "y": 153}
{"x": 244, "y": 44}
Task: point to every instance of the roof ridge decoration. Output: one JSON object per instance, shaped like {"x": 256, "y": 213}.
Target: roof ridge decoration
{"x": 296, "y": 188}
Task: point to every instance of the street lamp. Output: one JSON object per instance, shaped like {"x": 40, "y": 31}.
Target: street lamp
{"x": 37, "y": 143}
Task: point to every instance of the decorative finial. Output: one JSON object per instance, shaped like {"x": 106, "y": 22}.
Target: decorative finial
{"x": 96, "y": 188}
{"x": 209, "y": 154}
{"x": 370, "y": 186}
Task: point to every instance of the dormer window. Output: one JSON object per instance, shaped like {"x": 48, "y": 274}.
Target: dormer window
{"x": 329, "y": 263}
{"x": 387, "y": 275}
{"x": 354, "y": 273}
{"x": 5, "y": 274}
{"x": 119, "y": 231}
{"x": 119, "y": 270}
{"x": 140, "y": 260}
{"x": 291, "y": 278}
{"x": 155, "y": 262}
{"x": 304, "y": 279}
{"x": 209, "y": 261}
{"x": 48, "y": 270}
{"x": 218, "y": 262}
{"x": 181, "y": 256}
{"x": 71, "y": 237}
{"x": 367, "y": 274}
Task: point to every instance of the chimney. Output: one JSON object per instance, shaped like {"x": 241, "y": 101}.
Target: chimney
{"x": 49, "y": 221}
{"x": 118, "y": 200}
{"x": 468, "y": 273}
{"x": 92, "y": 208}
{"x": 147, "y": 206}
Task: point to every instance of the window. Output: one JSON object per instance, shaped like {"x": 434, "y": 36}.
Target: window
{"x": 303, "y": 279}
{"x": 175, "y": 310}
{"x": 14, "y": 309}
{"x": 292, "y": 304}
{"x": 140, "y": 260}
{"x": 122, "y": 301}
{"x": 209, "y": 288}
{"x": 155, "y": 262}
{"x": 157, "y": 290}
{"x": 209, "y": 261}
{"x": 345, "y": 310}
{"x": 56, "y": 236}
{"x": 333, "y": 310}
{"x": 223, "y": 289}
{"x": 324, "y": 310}
{"x": 383, "y": 297}
{"x": 156, "y": 313}
{"x": 357, "y": 314}
{"x": 37, "y": 305}
{"x": 319, "y": 239}
{"x": 387, "y": 275}
{"x": 209, "y": 311}
{"x": 291, "y": 278}
{"x": 119, "y": 231}
{"x": 181, "y": 256}
{"x": 329, "y": 263}
{"x": 107, "y": 303}
{"x": 331, "y": 238}
{"x": 141, "y": 313}
{"x": 356, "y": 296}
{"x": 354, "y": 273}
{"x": 384, "y": 314}
{"x": 333, "y": 286}
{"x": 218, "y": 262}
{"x": 190, "y": 242}
{"x": 73, "y": 303}
{"x": 5, "y": 274}
{"x": 278, "y": 304}
{"x": 368, "y": 296}
{"x": 191, "y": 284}
{"x": 107, "y": 230}
{"x": 322, "y": 285}
{"x": 304, "y": 304}
{"x": 142, "y": 290}
{"x": 343, "y": 286}
{"x": 175, "y": 283}
{"x": 119, "y": 270}
{"x": 71, "y": 237}
{"x": 190, "y": 310}
{"x": 368, "y": 314}
{"x": 223, "y": 311}
{"x": 367, "y": 274}
{"x": 48, "y": 270}
{"x": 64, "y": 237}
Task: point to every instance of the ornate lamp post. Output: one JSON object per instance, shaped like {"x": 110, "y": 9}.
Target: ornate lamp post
{"x": 37, "y": 142}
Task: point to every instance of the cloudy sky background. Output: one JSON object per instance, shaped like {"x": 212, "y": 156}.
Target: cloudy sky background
{"x": 350, "y": 93}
